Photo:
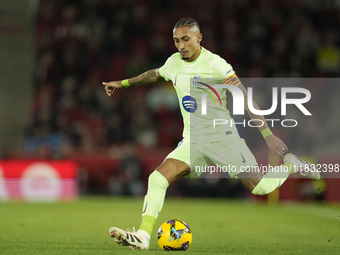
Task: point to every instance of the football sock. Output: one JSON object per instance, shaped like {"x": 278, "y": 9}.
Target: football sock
{"x": 147, "y": 224}
{"x": 273, "y": 179}
{"x": 153, "y": 201}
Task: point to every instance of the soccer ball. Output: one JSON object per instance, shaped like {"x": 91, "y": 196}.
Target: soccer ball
{"x": 174, "y": 235}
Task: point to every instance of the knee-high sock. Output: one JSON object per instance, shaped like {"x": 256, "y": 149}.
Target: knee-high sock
{"x": 272, "y": 179}
{"x": 153, "y": 201}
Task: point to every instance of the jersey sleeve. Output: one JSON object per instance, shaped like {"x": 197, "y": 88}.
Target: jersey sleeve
{"x": 165, "y": 70}
{"x": 226, "y": 71}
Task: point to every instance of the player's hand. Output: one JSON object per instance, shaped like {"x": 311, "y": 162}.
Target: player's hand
{"x": 112, "y": 86}
{"x": 276, "y": 145}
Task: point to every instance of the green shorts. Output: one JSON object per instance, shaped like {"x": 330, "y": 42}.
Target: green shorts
{"x": 231, "y": 155}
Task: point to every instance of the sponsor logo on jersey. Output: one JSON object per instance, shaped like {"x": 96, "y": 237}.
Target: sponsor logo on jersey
{"x": 197, "y": 80}
{"x": 189, "y": 104}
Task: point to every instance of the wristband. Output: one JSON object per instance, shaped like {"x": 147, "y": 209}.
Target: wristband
{"x": 266, "y": 132}
{"x": 125, "y": 83}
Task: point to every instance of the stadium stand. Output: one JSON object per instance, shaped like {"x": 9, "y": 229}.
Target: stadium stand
{"x": 79, "y": 44}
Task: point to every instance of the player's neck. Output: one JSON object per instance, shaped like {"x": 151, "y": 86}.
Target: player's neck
{"x": 195, "y": 56}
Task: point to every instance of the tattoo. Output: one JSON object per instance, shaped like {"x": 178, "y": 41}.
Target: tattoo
{"x": 146, "y": 78}
{"x": 250, "y": 179}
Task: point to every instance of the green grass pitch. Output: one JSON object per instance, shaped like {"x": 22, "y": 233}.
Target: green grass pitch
{"x": 219, "y": 226}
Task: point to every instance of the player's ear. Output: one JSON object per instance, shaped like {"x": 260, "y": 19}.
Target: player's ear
{"x": 199, "y": 38}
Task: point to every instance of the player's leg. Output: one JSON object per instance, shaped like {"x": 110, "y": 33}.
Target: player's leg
{"x": 175, "y": 166}
{"x": 168, "y": 172}
{"x": 173, "y": 169}
{"x": 235, "y": 152}
{"x": 262, "y": 184}
{"x": 276, "y": 176}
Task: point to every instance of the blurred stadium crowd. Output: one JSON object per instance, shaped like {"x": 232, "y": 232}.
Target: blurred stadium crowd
{"x": 80, "y": 43}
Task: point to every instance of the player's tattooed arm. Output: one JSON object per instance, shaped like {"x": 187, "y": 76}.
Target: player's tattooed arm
{"x": 146, "y": 78}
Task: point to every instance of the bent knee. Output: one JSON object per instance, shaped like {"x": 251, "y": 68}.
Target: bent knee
{"x": 250, "y": 180}
{"x": 173, "y": 169}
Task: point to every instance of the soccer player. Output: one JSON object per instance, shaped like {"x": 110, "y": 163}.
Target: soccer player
{"x": 202, "y": 143}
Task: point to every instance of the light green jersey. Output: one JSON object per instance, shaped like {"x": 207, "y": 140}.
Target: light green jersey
{"x": 197, "y": 79}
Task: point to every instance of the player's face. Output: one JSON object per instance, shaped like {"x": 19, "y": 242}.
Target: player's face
{"x": 187, "y": 42}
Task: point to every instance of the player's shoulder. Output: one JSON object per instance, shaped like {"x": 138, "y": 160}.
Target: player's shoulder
{"x": 172, "y": 61}
{"x": 219, "y": 64}
{"x": 174, "y": 58}
{"x": 213, "y": 57}
{"x": 218, "y": 58}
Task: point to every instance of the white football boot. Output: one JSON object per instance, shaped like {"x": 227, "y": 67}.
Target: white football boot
{"x": 302, "y": 167}
{"x": 132, "y": 239}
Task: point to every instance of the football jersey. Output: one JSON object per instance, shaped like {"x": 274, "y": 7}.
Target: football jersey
{"x": 194, "y": 83}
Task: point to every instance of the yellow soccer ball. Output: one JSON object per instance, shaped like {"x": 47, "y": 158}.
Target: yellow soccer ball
{"x": 174, "y": 235}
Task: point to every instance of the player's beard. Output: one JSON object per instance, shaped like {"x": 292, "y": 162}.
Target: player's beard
{"x": 185, "y": 57}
